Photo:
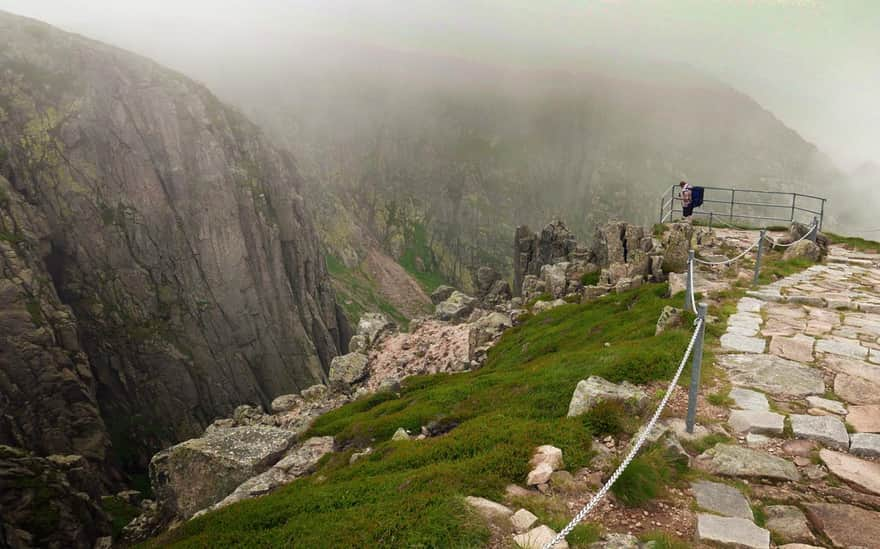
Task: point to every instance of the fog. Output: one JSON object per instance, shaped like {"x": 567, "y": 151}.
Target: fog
{"x": 814, "y": 64}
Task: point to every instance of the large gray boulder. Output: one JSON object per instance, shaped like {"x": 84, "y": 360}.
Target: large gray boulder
{"x": 373, "y": 325}
{"x": 199, "y": 472}
{"x": 349, "y": 369}
{"x": 805, "y": 249}
{"x": 456, "y": 307}
{"x": 595, "y": 389}
{"x": 441, "y": 294}
{"x": 677, "y": 244}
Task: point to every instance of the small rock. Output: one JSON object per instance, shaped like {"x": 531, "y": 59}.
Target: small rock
{"x": 865, "y": 444}
{"x": 540, "y": 474}
{"x": 788, "y": 523}
{"x": 547, "y": 454}
{"x": 441, "y": 294}
{"x": 284, "y": 403}
{"x": 314, "y": 393}
{"x": 749, "y": 400}
{"x": 595, "y": 389}
{"x": 349, "y": 368}
{"x": 522, "y": 520}
{"x": 401, "y": 434}
{"x": 757, "y": 441}
{"x": 722, "y": 499}
{"x": 827, "y": 430}
{"x": 754, "y": 421}
{"x": 618, "y": 541}
{"x": 489, "y": 509}
{"x": 738, "y": 532}
{"x": 832, "y": 406}
{"x": 537, "y": 538}
{"x": 802, "y": 448}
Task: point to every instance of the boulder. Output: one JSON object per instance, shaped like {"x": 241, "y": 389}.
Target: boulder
{"x": 349, "y": 369}
{"x": 541, "y": 306}
{"x": 555, "y": 279}
{"x": 372, "y": 326}
{"x": 522, "y": 520}
{"x": 548, "y": 454}
{"x": 314, "y": 393}
{"x": 489, "y": 509}
{"x": 805, "y": 249}
{"x": 284, "y": 403}
{"x": 199, "y": 472}
{"x": 676, "y": 245}
{"x": 736, "y": 532}
{"x": 595, "y": 389}
{"x": 788, "y": 524}
{"x": 484, "y": 279}
{"x": 845, "y": 525}
{"x": 722, "y": 499}
{"x": 357, "y": 344}
{"x": 670, "y": 317}
{"x": 441, "y": 294}
{"x": 677, "y": 283}
{"x": 735, "y": 461}
{"x": 456, "y": 307}
{"x": 499, "y": 293}
{"x": 537, "y": 538}
{"x": 486, "y": 330}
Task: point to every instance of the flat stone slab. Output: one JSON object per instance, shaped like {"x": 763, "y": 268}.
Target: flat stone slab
{"x": 537, "y": 538}
{"x": 864, "y": 474}
{"x": 722, "y": 499}
{"x": 798, "y": 348}
{"x": 788, "y": 523}
{"x": 850, "y": 348}
{"x": 773, "y": 374}
{"x": 735, "y": 461}
{"x": 522, "y": 520}
{"x": 858, "y": 368}
{"x": 827, "y": 430}
{"x": 856, "y": 390}
{"x": 737, "y": 532}
{"x": 748, "y": 399}
{"x": 749, "y": 305}
{"x": 845, "y": 525}
{"x": 828, "y": 405}
{"x": 865, "y": 444}
{"x": 742, "y": 344}
{"x": 865, "y": 419}
{"x": 756, "y": 421}
{"x": 489, "y": 509}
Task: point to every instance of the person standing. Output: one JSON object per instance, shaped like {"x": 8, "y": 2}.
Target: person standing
{"x": 687, "y": 202}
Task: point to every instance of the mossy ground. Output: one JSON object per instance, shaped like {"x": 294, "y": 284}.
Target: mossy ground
{"x": 358, "y": 293}
{"x": 409, "y": 493}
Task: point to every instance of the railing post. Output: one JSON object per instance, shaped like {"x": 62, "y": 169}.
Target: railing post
{"x": 732, "y": 194}
{"x": 689, "y": 288}
{"x": 710, "y": 220}
{"x": 815, "y": 229}
{"x": 822, "y": 214}
{"x": 760, "y": 255}
{"x": 695, "y": 370}
{"x": 793, "y": 204}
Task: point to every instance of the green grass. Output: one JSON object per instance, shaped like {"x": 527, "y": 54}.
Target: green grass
{"x": 409, "y": 493}
{"x": 590, "y": 279}
{"x": 699, "y": 446}
{"x": 854, "y": 243}
{"x": 417, "y": 249}
{"x": 663, "y": 540}
{"x": 357, "y": 293}
{"x": 607, "y": 418}
{"x": 120, "y": 513}
{"x": 647, "y": 477}
{"x": 774, "y": 267}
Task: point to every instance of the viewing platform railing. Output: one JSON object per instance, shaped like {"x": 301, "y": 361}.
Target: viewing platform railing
{"x": 755, "y": 208}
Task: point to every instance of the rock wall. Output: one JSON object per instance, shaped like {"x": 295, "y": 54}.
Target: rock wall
{"x": 158, "y": 261}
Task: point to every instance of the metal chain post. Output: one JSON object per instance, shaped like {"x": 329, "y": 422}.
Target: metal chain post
{"x": 689, "y": 290}
{"x": 815, "y": 230}
{"x": 695, "y": 368}
{"x": 760, "y": 255}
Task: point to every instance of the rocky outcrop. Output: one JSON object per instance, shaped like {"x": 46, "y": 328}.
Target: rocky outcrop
{"x": 49, "y": 502}
{"x": 200, "y": 472}
{"x": 532, "y": 251}
{"x": 157, "y": 261}
{"x": 456, "y": 307}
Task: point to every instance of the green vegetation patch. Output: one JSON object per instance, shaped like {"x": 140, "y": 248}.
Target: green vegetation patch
{"x": 409, "y": 493}
{"x": 419, "y": 261}
{"x": 854, "y": 243}
{"x": 120, "y": 512}
{"x": 357, "y": 293}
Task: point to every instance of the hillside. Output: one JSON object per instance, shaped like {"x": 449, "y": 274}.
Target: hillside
{"x": 464, "y": 152}
{"x": 158, "y": 266}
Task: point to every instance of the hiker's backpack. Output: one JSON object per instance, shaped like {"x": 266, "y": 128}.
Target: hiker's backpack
{"x": 697, "y": 197}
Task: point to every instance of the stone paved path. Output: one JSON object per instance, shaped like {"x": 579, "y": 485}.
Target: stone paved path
{"x": 803, "y": 357}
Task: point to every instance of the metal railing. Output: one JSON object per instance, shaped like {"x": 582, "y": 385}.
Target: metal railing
{"x": 764, "y": 207}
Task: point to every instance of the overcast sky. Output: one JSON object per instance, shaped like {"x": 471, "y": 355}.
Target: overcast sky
{"x": 813, "y": 63}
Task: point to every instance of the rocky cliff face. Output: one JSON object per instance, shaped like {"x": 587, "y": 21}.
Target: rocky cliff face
{"x": 157, "y": 265}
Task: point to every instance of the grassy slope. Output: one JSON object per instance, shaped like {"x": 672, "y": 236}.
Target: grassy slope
{"x": 358, "y": 293}
{"x": 408, "y": 494}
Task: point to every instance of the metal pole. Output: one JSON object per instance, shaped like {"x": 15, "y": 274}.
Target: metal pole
{"x": 815, "y": 229}
{"x": 689, "y": 289}
{"x": 710, "y": 220}
{"x": 695, "y": 370}
{"x": 732, "y": 193}
{"x": 760, "y": 254}
{"x": 793, "y": 204}
{"x": 822, "y": 214}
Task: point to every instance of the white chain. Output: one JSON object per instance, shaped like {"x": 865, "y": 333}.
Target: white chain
{"x": 774, "y": 242}
{"x": 728, "y": 261}
{"x": 693, "y": 283}
{"x": 632, "y": 454}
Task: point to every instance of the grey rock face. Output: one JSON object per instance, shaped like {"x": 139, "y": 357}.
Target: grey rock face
{"x": 828, "y": 430}
{"x": 175, "y": 233}
{"x": 199, "y": 472}
{"x": 677, "y": 244}
{"x": 737, "y": 532}
{"x": 456, "y": 307}
{"x": 669, "y": 317}
{"x": 722, "y": 499}
{"x": 594, "y": 390}
{"x": 372, "y": 326}
{"x": 441, "y": 294}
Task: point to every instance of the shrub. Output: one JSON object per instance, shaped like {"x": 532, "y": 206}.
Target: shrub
{"x": 590, "y": 279}
{"x": 606, "y": 418}
{"x": 646, "y": 478}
